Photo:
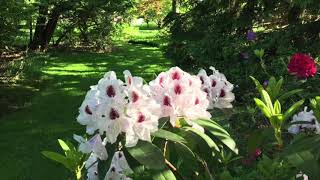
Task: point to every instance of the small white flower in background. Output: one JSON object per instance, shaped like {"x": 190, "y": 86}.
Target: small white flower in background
{"x": 180, "y": 96}
{"x": 119, "y": 168}
{"x": 93, "y": 145}
{"x": 217, "y": 88}
{"x": 304, "y": 116}
{"x": 302, "y": 176}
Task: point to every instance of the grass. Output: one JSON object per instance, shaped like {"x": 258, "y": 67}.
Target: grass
{"x": 63, "y": 79}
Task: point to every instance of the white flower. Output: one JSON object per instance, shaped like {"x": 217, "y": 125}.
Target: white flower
{"x": 142, "y": 122}
{"x": 114, "y": 175}
{"x": 87, "y": 110}
{"x": 180, "y": 96}
{"x": 111, "y": 119}
{"x": 217, "y": 88}
{"x": 301, "y": 175}
{"x": 92, "y": 167}
{"x": 309, "y": 118}
{"x": 119, "y": 167}
{"x": 142, "y": 111}
{"x": 94, "y": 145}
{"x": 111, "y": 87}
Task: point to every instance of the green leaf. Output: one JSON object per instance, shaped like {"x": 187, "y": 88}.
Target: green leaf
{"x": 306, "y": 162}
{"x": 292, "y": 109}
{"x": 219, "y": 132}
{"x": 188, "y": 161}
{"x": 259, "y": 137}
{"x": 303, "y": 142}
{"x": 63, "y": 145}
{"x": 263, "y": 107}
{"x": 266, "y": 99}
{"x": 259, "y": 87}
{"x": 148, "y": 154}
{"x": 290, "y": 93}
{"x": 161, "y": 133}
{"x": 205, "y": 137}
{"x": 58, "y": 158}
{"x": 315, "y": 106}
{"x": 271, "y": 86}
{"x": 163, "y": 175}
{"x": 277, "y": 107}
{"x": 225, "y": 175}
{"x": 277, "y": 88}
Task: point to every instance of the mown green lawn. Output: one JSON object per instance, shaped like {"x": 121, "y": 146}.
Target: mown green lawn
{"x": 52, "y": 111}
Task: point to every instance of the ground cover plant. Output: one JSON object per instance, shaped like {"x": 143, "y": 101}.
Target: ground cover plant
{"x": 159, "y": 89}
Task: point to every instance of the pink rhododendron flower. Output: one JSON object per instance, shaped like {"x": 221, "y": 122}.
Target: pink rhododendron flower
{"x": 302, "y": 65}
{"x": 217, "y": 88}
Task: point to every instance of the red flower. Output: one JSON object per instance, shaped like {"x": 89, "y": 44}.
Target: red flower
{"x": 302, "y": 65}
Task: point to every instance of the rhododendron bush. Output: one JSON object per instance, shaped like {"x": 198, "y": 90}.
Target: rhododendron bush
{"x": 135, "y": 129}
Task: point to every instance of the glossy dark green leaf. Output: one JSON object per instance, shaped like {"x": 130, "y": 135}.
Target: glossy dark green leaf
{"x": 161, "y": 133}
{"x": 292, "y": 109}
{"x": 166, "y": 174}
{"x": 205, "y": 137}
{"x": 289, "y": 94}
{"x": 58, "y": 158}
{"x": 148, "y": 155}
{"x": 219, "y": 132}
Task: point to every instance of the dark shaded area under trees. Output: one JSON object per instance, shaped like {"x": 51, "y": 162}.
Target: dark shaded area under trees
{"x": 63, "y": 21}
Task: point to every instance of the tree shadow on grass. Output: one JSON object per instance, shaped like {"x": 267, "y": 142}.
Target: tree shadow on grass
{"x": 51, "y": 114}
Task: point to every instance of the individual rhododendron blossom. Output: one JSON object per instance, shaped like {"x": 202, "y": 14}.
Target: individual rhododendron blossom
{"x": 217, "y": 88}
{"x": 302, "y": 65}
{"x": 92, "y": 167}
{"x": 142, "y": 122}
{"x": 94, "y": 145}
{"x": 304, "y": 116}
{"x": 87, "y": 110}
{"x": 180, "y": 96}
{"x": 119, "y": 168}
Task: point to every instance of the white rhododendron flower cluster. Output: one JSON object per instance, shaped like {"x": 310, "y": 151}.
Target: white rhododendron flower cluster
{"x": 180, "y": 96}
{"x": 311, "y": 123}
{"x": 133, "y": 109}
{"x": 218, "y": 89}
{"x": 113, "y": 107}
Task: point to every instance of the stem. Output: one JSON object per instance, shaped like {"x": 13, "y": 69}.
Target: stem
{"x": 168, "y": 163}
{"x": 174, "y": 169}
{"x": 78, "y": 173}
{"x": 204, "y": 163}
{"x": 264, "y": 66}
{"x": 277, "y": 132}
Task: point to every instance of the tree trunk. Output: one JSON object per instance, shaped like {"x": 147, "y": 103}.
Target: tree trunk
{"x": 30, "y": 30}
{"x": 40, "y": 26}
{"x": 44, "y": 29}
{"x": 49, "y": 30}
{"x": 68, "y": 30}
{"x": 294, "y": 15}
